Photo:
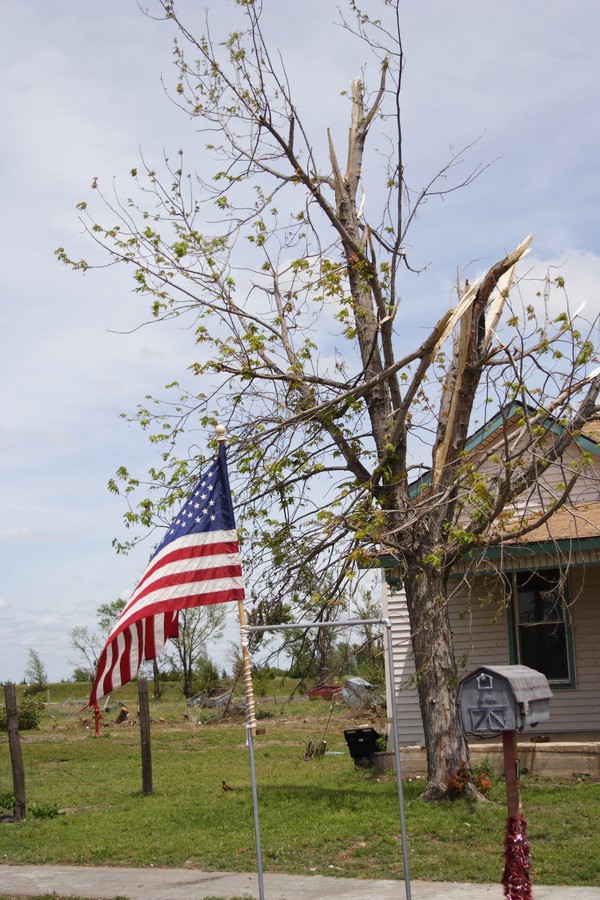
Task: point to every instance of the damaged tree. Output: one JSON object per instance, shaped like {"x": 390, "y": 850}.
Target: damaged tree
{"x": 346, "y": 441}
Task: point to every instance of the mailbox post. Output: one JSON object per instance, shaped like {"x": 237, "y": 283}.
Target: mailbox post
{"x": 502, "y": 700}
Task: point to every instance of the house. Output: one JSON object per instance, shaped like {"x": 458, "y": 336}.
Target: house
{"x": 533, "y": 601}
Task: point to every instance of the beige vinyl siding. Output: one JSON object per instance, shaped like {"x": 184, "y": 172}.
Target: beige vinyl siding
{"x": 579, "y": 709}
{"x": 480, "y": 633}
{"x": 410, "y": 727}
{"x": 549, "y": 487}
{"x": 478, "y": 623}
{"x": 483, "y": 640}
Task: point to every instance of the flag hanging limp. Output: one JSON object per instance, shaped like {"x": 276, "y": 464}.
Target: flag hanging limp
{"x": 197, "y": 563}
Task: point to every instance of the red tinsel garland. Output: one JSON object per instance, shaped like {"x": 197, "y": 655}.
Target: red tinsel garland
{"x": 516, "y": 880}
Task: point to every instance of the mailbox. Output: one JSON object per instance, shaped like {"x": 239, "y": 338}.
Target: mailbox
{"x": 493, "y": 699}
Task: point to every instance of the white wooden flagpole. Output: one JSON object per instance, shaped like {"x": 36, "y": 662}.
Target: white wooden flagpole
{"x": 247, "y": 671}
{"x": 250, "y": 718}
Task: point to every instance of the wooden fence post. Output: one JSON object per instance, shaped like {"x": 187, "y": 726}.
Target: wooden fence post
{"x": 145, "y": 736}
{"x": 14, "y": 743}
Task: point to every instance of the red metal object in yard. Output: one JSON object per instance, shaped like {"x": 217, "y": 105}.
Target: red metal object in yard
{"x": 324, "y": 692}
{"x": 97, "y": 716}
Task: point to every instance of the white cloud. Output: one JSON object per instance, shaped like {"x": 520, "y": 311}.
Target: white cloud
{"x": 84, "y": 95}
{"x": 580, "y": 271}
{"x": 20, "y": 534}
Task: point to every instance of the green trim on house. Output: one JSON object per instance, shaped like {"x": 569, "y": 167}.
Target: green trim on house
{"x": 505, "y": 551}
{"x": 385, "y": 561}
{"x": 502, "y": 417}
{"x": 548, "y": 548}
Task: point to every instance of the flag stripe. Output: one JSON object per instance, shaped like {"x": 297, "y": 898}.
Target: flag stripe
{"x": 173, "y": 579}
{"x": 128, "y": 658}
{"x": 200, "y": 569}
{"x": 196, "y": 564}
{"x": 192, "y": 547}
{"x": 169, "y": 589}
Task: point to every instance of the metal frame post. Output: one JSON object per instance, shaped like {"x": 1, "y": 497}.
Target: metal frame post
{"x": 347, "y": 623}
{"x": 259, "y": 865}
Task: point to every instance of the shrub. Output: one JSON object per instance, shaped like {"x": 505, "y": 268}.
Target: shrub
{"x": 45, "y": 810}
{"x": 32, "y": 690}
{"x": 373, "y": 672}
{"x": 381, "y": 743}
{"x": 479, "y": 774}
{"x": 482, "y": 776}
{"x": 207, "y": 676}
{"x": 29, "y": 715}
{"x": 7, "y": 800}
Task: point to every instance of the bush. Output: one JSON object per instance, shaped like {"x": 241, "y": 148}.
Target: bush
{"x": 81, "y": 674}
{"x": 32, "y": 690}
{"x": 261, "y": 680}
{"x": 45, "y": 810}
{"x": 373, "y": 672}
{"x": 207, "y": 676}
{"x": 29, "y": 715}
{"x": 7, "y": 800}
{"x": 480, "y": 775}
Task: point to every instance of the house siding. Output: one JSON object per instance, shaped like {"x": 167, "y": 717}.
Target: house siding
{"x": 480, "y": 635}
{"x": 579, "y": 709}
{"x": 478, "y": 624}
{"x": 548, "y": 488}
{"x": 410, "y": 726}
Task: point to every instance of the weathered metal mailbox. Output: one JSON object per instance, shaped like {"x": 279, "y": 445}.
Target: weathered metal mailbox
{"x": 503, "y": 700}
{"x": 494, "y": 699}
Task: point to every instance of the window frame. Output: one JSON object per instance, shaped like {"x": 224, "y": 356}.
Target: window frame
{"x": 562, "y": 684}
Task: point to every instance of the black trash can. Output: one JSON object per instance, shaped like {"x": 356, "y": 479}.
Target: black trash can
{"x": 362, "y": 743}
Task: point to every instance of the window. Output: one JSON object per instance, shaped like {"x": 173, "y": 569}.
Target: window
{"x": 540, "y": 625}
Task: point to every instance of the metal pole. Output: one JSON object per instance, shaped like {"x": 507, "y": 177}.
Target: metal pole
{"x": 250, "y": 719}
{"x": 345, "y": 623}
{"x": 388, "y": 628}
{"x": 259, "y": 866}
{"x": 145, "y": 736}
{"x": 250, "y": 732}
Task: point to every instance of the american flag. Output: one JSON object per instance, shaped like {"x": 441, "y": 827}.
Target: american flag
{"x": 196, "y": 563}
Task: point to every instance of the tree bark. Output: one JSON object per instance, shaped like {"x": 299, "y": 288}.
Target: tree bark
{"x": 445, "y": 742}
{"x": 188, "y": 677}
{"x": 156, "y": 680}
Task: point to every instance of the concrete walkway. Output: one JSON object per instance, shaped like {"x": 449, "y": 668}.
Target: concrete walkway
{"x": 101, "y": 883}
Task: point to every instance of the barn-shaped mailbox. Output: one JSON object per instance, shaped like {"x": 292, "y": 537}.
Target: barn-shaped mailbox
{"x": 493, "y": 699}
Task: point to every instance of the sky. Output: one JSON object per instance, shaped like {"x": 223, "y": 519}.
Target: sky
{"x": 83, "y": 96}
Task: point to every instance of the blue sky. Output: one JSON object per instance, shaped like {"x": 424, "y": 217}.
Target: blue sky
{"x": 82, "y": 95}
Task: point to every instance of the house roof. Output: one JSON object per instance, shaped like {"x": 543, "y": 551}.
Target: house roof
{"x": 576, "y": 521}
{"x": 575, "y": 526}
{"x": 592, "y": 431}
{"x": 573, "y": 529}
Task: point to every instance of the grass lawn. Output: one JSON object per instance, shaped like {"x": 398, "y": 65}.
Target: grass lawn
{"x": 320, "y": 815}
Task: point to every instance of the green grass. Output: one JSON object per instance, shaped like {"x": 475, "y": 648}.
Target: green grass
{"x": 316, "y": 816}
